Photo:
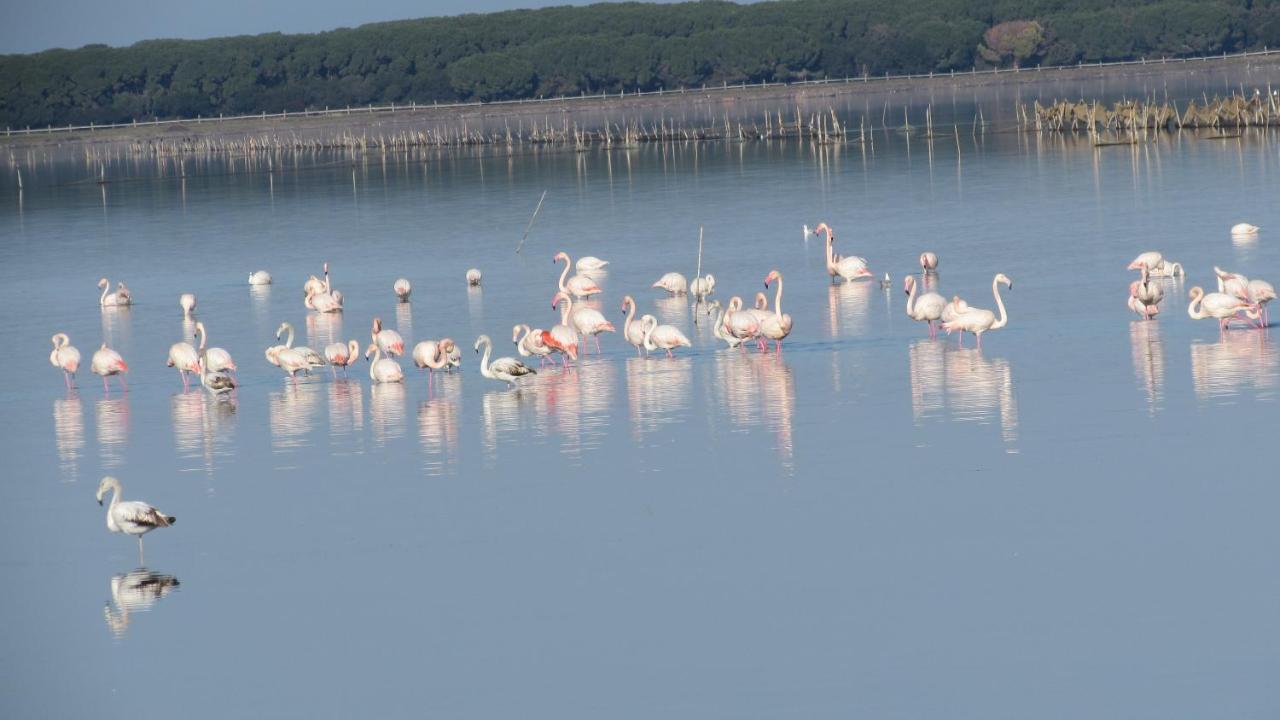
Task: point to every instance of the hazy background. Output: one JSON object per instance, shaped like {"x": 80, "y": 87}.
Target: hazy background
{"x": 31, "y": 27}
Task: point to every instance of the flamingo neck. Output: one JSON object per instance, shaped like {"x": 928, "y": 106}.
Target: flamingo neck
{"x": 373, "y": 366}
{"x": 484, "y": 360}
{"x": 626, "y": 325}
{"x": 777, "y": 299}
{"x": 103, "y": 299}
{"x": 564, "y": 274}
{"x": 1004, "y": 317}
{"x": 911, "y": 301}
{"x": 649, "y": 324}
{"x": 1194, "y": 310}
{"x": 567, "y": 308}
{"x": 831, "y": 265}
{"x": 289, "y": 339}
{"x": 200, "y": 332}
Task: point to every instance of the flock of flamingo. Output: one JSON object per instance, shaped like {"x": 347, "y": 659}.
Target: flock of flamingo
{"x": 1238, "y": 299}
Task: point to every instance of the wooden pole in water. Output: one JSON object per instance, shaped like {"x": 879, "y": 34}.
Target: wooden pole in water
{"x": 697, "y": 275}
{"x": 19, "y": 178}
{"x": 530, "y": 225}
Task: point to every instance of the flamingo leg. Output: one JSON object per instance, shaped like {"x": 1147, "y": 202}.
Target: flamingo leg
{"x": 141, "y": 560}
{"x": 598, "y": 352}
{"x": 123, "y": 385}
{"x": 669, "y": 353}
{"x": 105, "y": 389}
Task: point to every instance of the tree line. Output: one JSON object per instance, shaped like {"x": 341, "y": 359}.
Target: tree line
{"x": 607, "y": 47}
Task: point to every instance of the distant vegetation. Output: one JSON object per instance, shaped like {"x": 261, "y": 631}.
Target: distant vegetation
{"x": 633, "y": 46}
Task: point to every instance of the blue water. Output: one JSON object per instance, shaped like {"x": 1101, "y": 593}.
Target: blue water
{"x": 1078, "y": 520}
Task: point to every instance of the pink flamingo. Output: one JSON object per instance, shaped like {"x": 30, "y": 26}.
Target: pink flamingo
{"x": 562, "y": 338}
{"x": 778, "y": 326}
{"x": 432, "y": 355}
{"x": 589, "y": 322}
{"x": 185, "y": 358}
{"x": 850, "y": 268}
{"x": 339, "y": 355}
{"x": 666, "y": 337}
{"x": 579, "y": 285}
{"x": 927, "y": 308}
{"x": 529, "y": 343}
{"x": 978, "y": 320}
{"x": 389, "y": 341}
{"x": 65, "y": 357}
{"x": 107, "y": 362}
{"x": 739, "y": 325}
{"x": 1220, "y": 306}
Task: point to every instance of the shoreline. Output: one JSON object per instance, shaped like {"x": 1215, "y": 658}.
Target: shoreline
{"x": 488, "y": 123}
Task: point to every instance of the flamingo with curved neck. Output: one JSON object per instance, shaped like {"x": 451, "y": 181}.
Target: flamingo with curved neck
{"x": 579, "y": 285}
{"x": 978, "y": 320}
{"x": 505, "y": 369}
{"x": 777, "y": 326}
{"x": 632, "y": 331}
{"x": 926, "y": 308}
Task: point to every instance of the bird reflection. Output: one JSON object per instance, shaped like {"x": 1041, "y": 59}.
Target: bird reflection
{"x": 323, "y": 329}
{"x": 673, "y": 310}
{"x": 967, "y": 385}
{"x": 115, "y": 326}
{"x": 291, "y": 412}
{"x": 438, "y": 428}
{"x": 1148, "y": 360}
{"x": 500, "y": 416}
{"x": 475, "y": 305}
{"x": 1238, "y": 362}
{"x": 201, "y": 425}
{"x": 346, "y": 407}
{"x": 848, "y": 308}
{"x": 758, "y": 389}
{"x": 657, "y": 392}
{"x": 404, "y": 322}
{"x": 386, "y": 411}
{"x": 68, "y": 433}
{"x": 132, "y": 592}
{"x": 112, "y": 418}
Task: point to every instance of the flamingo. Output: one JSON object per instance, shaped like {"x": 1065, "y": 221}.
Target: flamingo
{"x": 717, "y": 329}
{"x": 290, "y": 360}
{"x": 1244, "y": 229}
{"x": 1261, "y": 292}
{"x": 389, "y": 341}
{"x": 579, "y": 285}
{"x": 473, "y": 277}
{"x": 218, "y": 382}
{"x": 339, "y": 355}
{"x": 703, "y": 286}
{"x": 432, "y": 355}
{"x": 383, "y": 370}
{"x": 1232, "y": 283}
{"x": 260, "y": 277}
{"x": 929, "y": 262}
{"x": 587, "y": 263}
{"x": 1165, "y": 268}
{"x": 1145, "y": 297}
{"x": 529, "y": 343}
{"x": 926, "y": 308}
{"x": 131, "y": 517}
{"x": 666, "y": 337}
{"x": 218, "y": 360}
{"x": 505, "y": 369}
{"x": 562, "y": 338}
{"x": 778, "y": 326}
{"x": 107, "y": 362}
{"x": 187, "y": 301}
{"x": 850, "y": 268}
{"x": 588, "y": 322}
{"x": 402, "y": 288}
{"x": 978, "y": 320}
{"x": 673, "y": 282}
{"x": 632, "y": 332}
{"x": 322, "y": 297}
{"x": 185, "y": 358}
{"x": 1222, "y": 307}
{"x": 312, "y": 358}
{"x": 65, "y": 357}
{"x": 454, "y": 356}
{"x": 738, "y": 324}
{"x": 313, "y": 285}
{"x": 119, "y": 298}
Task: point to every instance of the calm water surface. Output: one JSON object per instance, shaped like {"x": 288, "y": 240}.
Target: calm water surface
{"x": 1077, "y": 521}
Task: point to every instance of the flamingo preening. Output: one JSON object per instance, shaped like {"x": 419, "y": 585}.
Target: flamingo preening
{"x": 703, "y": 286}
{"x": 389, "y": 341}
{"x": 529, "y": 343}
{"x": 402, "y": 289}
{"x": 928, "y": 262}
{"x": 978, "y": 320}
{"x": 342, "y": 356}
{"x": 739, "y": 324}
{"x": 432, "y": 355}
{"x": 1221, "y": 307}
{"x": 664, "y": 337}
{"x": 218, "y": 382}
{"x": 579, "y": 285}
{"x": 506, "y": 369}
{"x": 65, "y": 357}
{"x": 107, "y": 362}
{"x": 926, "y": 308}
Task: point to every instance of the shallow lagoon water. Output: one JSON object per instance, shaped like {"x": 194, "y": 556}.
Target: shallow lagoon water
{"x": 1077, "y": 520}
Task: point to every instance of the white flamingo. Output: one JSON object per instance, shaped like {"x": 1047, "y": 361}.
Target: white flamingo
{"x": 929, "y": 261}
{"x": 1244, "y": 229}
{"x": 187, "y": 301}
{"x": 342, "y": 356}
{"x": 703, "y": 286}
{"x": 324, "y": 298}
{"x": 218, "y": 382}
{"x": 778, "y": 326}
{"x": 218, "y": 359}
{"x": 402, "y": 288}
{"x": 1145, "y": 296}
{"x": 578, "y": 285}
{"x": 432, "y": 355}
{"x": 473, "y": 277}
{"x": 454, "y": 357}
{"x": 389, "y": 341}
{"x": 717, "y": 329}
{"x": 313, "y": 358}
{"x": 587, "y": 263}
{"x": 738, "y": 324}
{"x": 849, "y": 268}
{"x": 1232, "y": 283}
{"x": 562, "y": 338}
{"x": 665, "y": 337}
{"x": 107, "y": 362}
{"x": 954, "y": 309}
{"x": 632, "y": 331}
{"x": 185, "y": 358}
{"x": 588, "y": 322}
{"x": 506, "y": 369}
{"x": 119, "y": 298}
{"x": 383, "y": 370}
{"x": 131, "y": 517}
{"x": 65, "y": 357}
{"x": 529, "y": 342}
{"x": 926, "y": 308}
{"x": 1261, "y": 292}
{"x": 1220, "y": 306}
{"x": 260, "y": 277}
{"x": 672, "y": 282}
{"x": 979, "y": 320}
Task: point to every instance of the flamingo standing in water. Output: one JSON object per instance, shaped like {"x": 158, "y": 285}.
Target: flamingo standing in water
{"x": 673, "y": 282}
{"x": 529, "y": 343}
{"x": 65, "y": 357}
{"x": 587, "y": 321}
{"x": 1145, "y": 296}
{"x": 562, "y": 338}
{"x": 1261, "y": 292}
{"x": 341, "y": 356}
{"x": 578, "y": 285}
{"x": 954, "y": 309}
{"x": 132, "y": 517}
{"x": 218, "y": 359}
{"x": 1220, "y": 306}
{"x": 187, "y": 301}
{"x": 703, "y": 286}
{"x": 1232, "y": 283}
{"x": 107, "y": 362}
{"x": 473, "y": 277}
{"x": 1244, "y": 229}
{"x": 506, "y": 369}
{"x": 587, "y": 263}
{"x": 739, "y": 324}
{"x": 632, "y": 331}
{"x": 218, "y": 382}
{"x": 432, "y": 355}
{"x": 312, "y": 358}
{"x": 928, "y": 262}
{"x": 402, "y": 288}
{"x": 778, "y": 326}
{"x": 119, "y": 298}
{"x": 260, "y": 277}
{"x": 383, "y": 369}
{"x": 665, "y": 337}
{"x": 850, "y": 268}
{"x": 978, "y": 320}
{"x": 926, "y": 308}
{"x": 389, "y": 341}
{"x": 185, "y": 358}
{"x": 717, "y": 329}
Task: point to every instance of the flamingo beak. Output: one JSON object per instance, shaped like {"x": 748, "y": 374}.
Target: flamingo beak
{"x": 99, "y": 502}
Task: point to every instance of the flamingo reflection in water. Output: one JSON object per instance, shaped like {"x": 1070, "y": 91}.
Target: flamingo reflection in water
{"x": 657, "y": 392}
{"x": 755, "y": 390}
{"x": 134, "y": 592}
{"x": 203, "y": 427}
{"x": 1148, "y": 360}
{"x": 438, "y": 428}
{"x": 291, "y": 415}
{"x": 346, "y": 407}
{"x": 1237, "y": 363}
{"x": 68, "y": 433}
{"x": 964, "y": 385}
{"x": 848, "y": 309}
{"x": 111, "y": 416}
{"x": 500, "y": 417}
{"x": 386, "y": 412}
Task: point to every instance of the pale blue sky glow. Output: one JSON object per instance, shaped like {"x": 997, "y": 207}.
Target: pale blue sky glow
{"x": 31, "y": 27}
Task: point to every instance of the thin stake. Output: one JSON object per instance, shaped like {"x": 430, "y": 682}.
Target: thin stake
{"x": 530, "y": 226}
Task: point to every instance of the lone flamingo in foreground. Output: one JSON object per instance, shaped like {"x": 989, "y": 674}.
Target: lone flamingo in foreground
{"x": 65, "y": 357}
{"x": 506, "y": 369}
{"x": 978, "y": 320}
{"x": 107, "y": 362}
{"x": 131, "y": 517}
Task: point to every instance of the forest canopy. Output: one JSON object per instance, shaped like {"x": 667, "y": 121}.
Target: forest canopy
{"x": 608, "y": 47}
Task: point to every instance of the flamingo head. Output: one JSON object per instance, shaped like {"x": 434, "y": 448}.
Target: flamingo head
{"x": 823, "y": 227}
{"x": 103, "y": 283}
{"x": 1196, "y": 293}
{"x": 560, "y": 256}
{"x": 377, "y": 325}
{"x": 373, "y": 348}
{"x": 1002, "y": 278}
{"x": 735, "y": 303}
{"x": 908, "y": 282}
{"x": 1133, "y": 288}
{"x": 555, "y": 299}
{"x": 771, "y": 276}
{"x": 326, "y": 268}
{"x": 626, "y": 301}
